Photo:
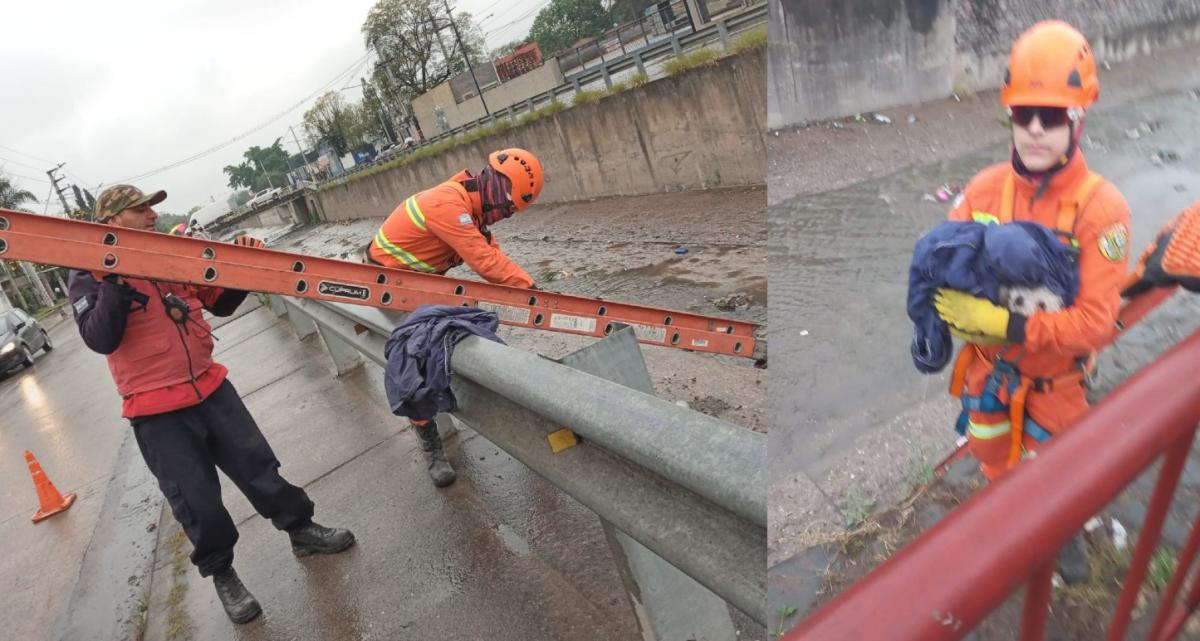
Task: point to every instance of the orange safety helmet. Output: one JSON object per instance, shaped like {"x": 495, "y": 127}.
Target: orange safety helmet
{"x": 1051, "y": 66}
{"x": 524, "y": 170}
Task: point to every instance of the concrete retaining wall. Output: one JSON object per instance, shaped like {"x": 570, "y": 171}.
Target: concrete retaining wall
{"x": 831, "y": 58}
{"x": 701, "y": 129}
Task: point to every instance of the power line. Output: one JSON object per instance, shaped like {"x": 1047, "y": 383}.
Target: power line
{"x": 351, "y": 70}
{"x": 21, "y": 153}
{"x": 41, "y": 180}
{"x": 526, "y": 15}
{"x": 18, "y": 162}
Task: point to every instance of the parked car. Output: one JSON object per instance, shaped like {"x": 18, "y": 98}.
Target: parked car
{"x": 20, "y": 337}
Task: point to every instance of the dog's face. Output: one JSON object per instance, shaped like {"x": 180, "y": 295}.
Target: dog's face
{"x": 1027, "y": 300}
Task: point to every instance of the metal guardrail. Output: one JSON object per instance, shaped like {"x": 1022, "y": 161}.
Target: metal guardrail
{"x": 688, "y": 487}
{"x": 950, "y": 578}
{"x": 720, "y": 31}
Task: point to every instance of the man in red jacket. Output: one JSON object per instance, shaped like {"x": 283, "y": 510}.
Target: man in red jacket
{"x": 187, "y": 418}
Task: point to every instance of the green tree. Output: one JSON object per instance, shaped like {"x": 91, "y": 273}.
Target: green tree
{"x": 623, "y": 11}
{"x": 563, "y": 22}
{"x": 264, "y": 167}
{"x": 415, "y": 59}
{"x": 336, "y": 122}
{"x": 12, "y": 197}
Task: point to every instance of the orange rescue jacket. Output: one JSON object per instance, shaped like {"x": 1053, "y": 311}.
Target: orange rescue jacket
{"x": 1079, "y": 202}
{"x": 440, "y": 228}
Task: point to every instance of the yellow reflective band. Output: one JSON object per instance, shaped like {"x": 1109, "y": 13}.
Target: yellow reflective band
{"x": 986, "y": 432}
{"x": 403, "y": 256}
{"x": 414, "y": 213}
{"x": 985, "y": 218}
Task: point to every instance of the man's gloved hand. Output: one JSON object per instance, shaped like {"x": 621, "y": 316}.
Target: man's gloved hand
{"x": 249, "y": 241}
{"x": 978, "y": 320}
{"x": 1172, "y": 259}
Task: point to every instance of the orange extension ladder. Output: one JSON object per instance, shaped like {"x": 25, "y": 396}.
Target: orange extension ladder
{"x": 145, "y": 254}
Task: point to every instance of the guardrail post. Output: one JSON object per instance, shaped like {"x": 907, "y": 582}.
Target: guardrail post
{"x": 669, "y": 604}
{"x": 723, "y": 32}
{"x": 575, "y": 83}
{"x": 637, "y": 59}
{"x": 345, "y": 356}
{"x": 675, "y": 46}
{"x": 303, "y": 325}
{"x": 529, "y": 104}
{"x": 607, "y": 78}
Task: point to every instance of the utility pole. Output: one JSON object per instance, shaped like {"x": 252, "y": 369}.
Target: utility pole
{"x": 467, "y": 58}
{"x": 59, "y": 190}
{"x": 264, "y": 171}
{"x": 378, "y": 103}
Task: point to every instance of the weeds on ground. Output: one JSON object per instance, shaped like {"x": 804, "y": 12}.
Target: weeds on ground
{"x": 961, "y": 92}
{"x": 856, "y": 508}
{"x": 693, "y": 60}
{"x": 752, "y": 39}
{"x": 782, "y": 614}
{"x": 141, "y": 615}
{"x": 587, "y": 96}
{"x": 639, "y": 79}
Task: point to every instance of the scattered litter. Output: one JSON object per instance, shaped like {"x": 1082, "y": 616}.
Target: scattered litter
{"x": 1133, "y": 134}
{"x": 559, "y": 275}
{"x": 1093, "y": 524}
{"x": 681, "y": 250}
{"x": 882, "y": 119}
{"x": 1107, "y": 67}
{"x": 776, "y": 133}
{"x": 838, "y": 125}
{"x": 945, "y": 193}
{"x": 732, "y": 302}
{"x": 1120, "y": 536}
{"x": 804, "y": 332}
{"x": 912, "y": 119}
{"x": 859, "y": 118}
{"x": 1094, "y": 144}
{"x": 1164, "y": 157}
{"x": 682, "y": 404}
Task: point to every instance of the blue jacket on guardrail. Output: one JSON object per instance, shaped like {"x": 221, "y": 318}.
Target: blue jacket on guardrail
{"x": 417, "y": 376}
{"x": 979, "y": 259}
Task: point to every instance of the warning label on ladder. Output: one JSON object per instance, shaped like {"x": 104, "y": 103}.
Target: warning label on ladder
{"x": 507, "y": 313}
{"x": 648, "y": 333}
{"x": 573, "y": 323}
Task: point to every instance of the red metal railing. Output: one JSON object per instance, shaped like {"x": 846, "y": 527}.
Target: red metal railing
{"x": 950, "y": 578}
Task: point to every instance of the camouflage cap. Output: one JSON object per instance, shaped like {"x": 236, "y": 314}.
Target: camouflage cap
{"x": 118, "y": 198}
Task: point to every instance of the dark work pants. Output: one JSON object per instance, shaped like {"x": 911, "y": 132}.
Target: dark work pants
{"x": 184, "y": 448}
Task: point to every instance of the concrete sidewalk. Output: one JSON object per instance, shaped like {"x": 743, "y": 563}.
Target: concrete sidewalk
{"x": 499, "y": 555}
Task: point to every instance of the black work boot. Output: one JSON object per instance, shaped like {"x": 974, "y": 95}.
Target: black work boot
{"x": 239, "y": 604}
{"x": 318, "y": 539}
{"x": 1073, "y": 563}
{"x": 431, "y": 443}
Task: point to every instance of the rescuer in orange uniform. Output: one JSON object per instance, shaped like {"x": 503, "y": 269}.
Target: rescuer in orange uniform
{"x": 1021, "y": 378}
{"x": 1049, "y": 86}
{"x": 448, "y": 225}
{"x": 443, "y": 227}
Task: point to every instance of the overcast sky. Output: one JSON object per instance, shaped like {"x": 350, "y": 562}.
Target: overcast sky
{"x": 116, "y": 89}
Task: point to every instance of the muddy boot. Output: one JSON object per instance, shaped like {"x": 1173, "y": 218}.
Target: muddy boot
{"x": 239, "y": 604}
{"x": 318, "y": 539}
{"x": 431, "y": 443}
{"x": 1073, "y": 563}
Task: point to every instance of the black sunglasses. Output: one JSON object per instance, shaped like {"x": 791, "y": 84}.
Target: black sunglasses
{"x": 1050, "y": 117}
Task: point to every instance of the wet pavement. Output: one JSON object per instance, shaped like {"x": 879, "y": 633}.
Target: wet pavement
{"x": 65, "y": 410}
{"x": 500, "y": 554}
{"x": 851, "y": 418}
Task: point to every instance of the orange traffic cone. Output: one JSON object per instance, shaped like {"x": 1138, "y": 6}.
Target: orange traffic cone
{"x": 51, "y": 501}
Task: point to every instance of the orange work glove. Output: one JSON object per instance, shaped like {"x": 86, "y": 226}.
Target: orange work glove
{"x": 249, "y": 241}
